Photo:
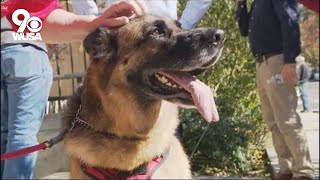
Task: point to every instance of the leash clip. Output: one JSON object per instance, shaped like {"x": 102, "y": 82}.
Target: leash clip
{"x": 56, "y": 139}
{"x": 47, "y": 144}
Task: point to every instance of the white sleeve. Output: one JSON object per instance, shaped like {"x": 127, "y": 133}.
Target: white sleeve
{"x": 85, "y": 7}
{"x": 193, "y": 13}
{"x": 110, "y": 2}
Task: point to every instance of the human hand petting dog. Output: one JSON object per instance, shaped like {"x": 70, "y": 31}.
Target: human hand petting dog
{"x": 289, "y": 74}
{"x": 76, "y": 27}
{"x": 119, "y": 13}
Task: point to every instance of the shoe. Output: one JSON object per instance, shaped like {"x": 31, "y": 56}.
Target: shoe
{"x": 305, "y": 111}
{"x": 302, "y": 178}
{"x": 283, "y": 176}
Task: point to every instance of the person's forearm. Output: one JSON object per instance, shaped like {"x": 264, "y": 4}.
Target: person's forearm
{"x": 193, "y": 13}
{"x": 63, "y": 27}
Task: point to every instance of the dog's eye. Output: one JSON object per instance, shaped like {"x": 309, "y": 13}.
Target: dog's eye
{"x": 157, "y": 31}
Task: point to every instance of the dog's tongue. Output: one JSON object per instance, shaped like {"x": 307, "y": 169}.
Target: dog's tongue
{"x": 201, "y": 94}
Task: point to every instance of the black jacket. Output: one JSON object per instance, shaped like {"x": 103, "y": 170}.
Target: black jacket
{"x": 272, "y": 27}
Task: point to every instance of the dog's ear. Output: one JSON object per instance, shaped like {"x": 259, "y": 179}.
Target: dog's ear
{"x": 100, "y": 44}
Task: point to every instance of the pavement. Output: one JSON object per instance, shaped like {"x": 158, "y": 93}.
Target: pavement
{"x": 310, "y": 123}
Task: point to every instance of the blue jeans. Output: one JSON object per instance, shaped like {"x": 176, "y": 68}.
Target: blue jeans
{"x": 304, "y": 95}
{"x": 26, "y": 77}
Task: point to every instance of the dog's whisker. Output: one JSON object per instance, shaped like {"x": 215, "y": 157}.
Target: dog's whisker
{"x": 178, "y": 63}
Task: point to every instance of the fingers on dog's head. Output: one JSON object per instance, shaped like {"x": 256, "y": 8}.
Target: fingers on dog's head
{"x": 128, "y": 8}
{"x": 99, "y": 44}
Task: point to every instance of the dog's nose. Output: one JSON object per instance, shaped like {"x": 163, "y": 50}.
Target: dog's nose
{"x": 218, "y": 36}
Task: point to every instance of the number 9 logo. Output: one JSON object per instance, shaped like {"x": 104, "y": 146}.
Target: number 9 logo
{"x": 34, "y": 24}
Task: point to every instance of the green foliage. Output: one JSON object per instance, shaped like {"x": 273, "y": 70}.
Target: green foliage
{"x": 229, "y": 145}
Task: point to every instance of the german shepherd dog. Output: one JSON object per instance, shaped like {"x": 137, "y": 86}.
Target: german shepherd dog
{"x": 125, "y": 113}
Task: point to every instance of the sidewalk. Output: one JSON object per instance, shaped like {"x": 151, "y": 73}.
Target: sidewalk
{"x": 310, "y": 123}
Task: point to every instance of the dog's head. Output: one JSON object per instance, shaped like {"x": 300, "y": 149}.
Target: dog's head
{"x": 154, "y": 58}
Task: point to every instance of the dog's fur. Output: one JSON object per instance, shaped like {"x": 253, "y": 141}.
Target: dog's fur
{"x": 116, "y": 98}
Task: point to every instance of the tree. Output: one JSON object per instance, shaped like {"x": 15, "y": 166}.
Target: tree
{"x": 310, "y": 36}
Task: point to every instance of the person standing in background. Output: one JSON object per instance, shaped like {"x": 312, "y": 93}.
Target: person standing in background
{"x": 303, "y": 73}
{"x": 274, "y": 37}
{"x": 191, "y": 15}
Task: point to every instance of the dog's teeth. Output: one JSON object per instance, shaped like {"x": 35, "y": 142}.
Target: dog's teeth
{"x": 160, "y": 78}
{"x": 164, "y": 80}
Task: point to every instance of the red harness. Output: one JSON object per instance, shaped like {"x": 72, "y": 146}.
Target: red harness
{"x": 143, "y": 172}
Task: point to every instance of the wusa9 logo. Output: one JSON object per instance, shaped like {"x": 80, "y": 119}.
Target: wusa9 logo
{"x": 33, "y": 24}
